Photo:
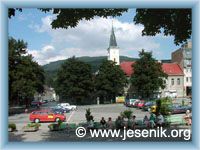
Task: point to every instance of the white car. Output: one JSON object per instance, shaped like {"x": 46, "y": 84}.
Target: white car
{"x": 68, "y": 106}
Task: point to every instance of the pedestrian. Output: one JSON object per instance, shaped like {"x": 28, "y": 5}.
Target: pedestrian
{"x": 132, "y": 122}
{"x": 188, "y": 118}
{"x": 146, "y": 121}
{"x": 91, "y": 123}
{"x": 109, "y": 123}
{"x": 160, "y": 120}
{"x": 26, "y": 110}
{"x": 119, "y": 123}
{"x": 103, "y": 122}
{"x": 152, "y": 120}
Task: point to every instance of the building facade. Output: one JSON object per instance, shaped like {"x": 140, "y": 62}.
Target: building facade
{"x": 113, "y": 49}
{"x": 174, "y": 82}
{"x": 183, "y": 56}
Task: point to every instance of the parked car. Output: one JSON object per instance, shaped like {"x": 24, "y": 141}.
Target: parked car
{"x": 148, "y": 105}
{"x": 46, "y": 116}
{"x": 129, "y": 102}
{"x": 141, "y": 104}
{"x": 36, "y": 103}
{"x": 68, "y": 106}
{"x": 60, "y": 108}
{"x": 153, "y": 108}
{"x": 135, "y": 103}
{"x": 180, "y": 109}
{"x": 45, "y": 101}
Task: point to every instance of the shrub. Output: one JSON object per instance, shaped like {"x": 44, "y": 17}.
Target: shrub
{"x": 164, "y": 106}
{"x": 12, "y": 126}
{"x": 34, "y": 125}
{"x": 127, "y": 114}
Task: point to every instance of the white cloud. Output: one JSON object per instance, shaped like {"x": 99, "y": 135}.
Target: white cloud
{"x": 90, "y": 38}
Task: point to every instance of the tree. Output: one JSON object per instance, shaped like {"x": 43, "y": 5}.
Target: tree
{"x": 148, "y": 76}
{"x": 175, "y": 22}
{"x": 74, "y": 81}
{"x": 109, "y": 81}
{"x": 25, "y": 76}
{"x": 71, "y": 17}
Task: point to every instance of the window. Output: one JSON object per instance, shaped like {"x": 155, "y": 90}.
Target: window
{"x": 190, "y": 79}
{"x": 186, "y": 79}
{"x": 172, "y": 82}
{"x": 178, "y": 81}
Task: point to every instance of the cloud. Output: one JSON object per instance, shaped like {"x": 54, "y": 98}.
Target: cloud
{"x": 90, "y": 38}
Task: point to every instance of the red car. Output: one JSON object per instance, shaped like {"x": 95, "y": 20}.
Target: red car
{"x": 141, "y": 104}
{"x": 46, "y": 116}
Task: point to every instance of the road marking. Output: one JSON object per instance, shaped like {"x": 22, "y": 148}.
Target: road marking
{"x": 70, "y": 116}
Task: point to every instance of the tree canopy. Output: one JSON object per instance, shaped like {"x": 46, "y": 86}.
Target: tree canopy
{"x": 66, "y": 18}
{"x": 26, "y": 77}
{"x": 74, "y": 81}
{"x": 149, "y": 80}
{"x": 174, "y": 22}
{"x": 109, "y": 81}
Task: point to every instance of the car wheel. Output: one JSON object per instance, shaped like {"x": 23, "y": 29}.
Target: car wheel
{"x": 57, "y": 119}
{"x": 37, "y": 120}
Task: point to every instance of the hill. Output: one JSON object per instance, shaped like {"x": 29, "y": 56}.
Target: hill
{"x": 93, "y": 61}
{"x": 52, "y": 68}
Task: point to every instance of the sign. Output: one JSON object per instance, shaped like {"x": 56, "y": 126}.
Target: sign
{"x": 120, "y": 99}
{"x": 50, "y": 116}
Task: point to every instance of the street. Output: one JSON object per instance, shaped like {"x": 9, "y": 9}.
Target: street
{"x": 78, "y": 116}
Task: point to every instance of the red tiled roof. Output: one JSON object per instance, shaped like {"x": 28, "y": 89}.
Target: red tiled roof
{"x": 168, "y": 68}
{"x": 172, "y": 69}
{"x": 126, "y": 66}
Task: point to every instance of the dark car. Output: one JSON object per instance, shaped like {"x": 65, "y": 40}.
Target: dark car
{"x": 148, "y": 105}
{"x": 58, "y": 110}
{"x": 45, "y": 101}
{"x": 36, "y": 103}
{"x": 61, "y": 109}
{"x": 180, "y": 109}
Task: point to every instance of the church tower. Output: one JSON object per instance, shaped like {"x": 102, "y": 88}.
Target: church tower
{"x": 113, "y": 49}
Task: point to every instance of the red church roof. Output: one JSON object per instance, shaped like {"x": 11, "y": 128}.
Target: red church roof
{"x": 168, "y": 68}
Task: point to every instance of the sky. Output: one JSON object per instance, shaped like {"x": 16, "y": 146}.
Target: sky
{"x": 89, "y": 38}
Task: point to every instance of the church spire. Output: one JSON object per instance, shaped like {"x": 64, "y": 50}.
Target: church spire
{"x": 113, "y": 42}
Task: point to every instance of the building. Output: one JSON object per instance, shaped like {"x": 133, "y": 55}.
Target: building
{"x": 48, "y": 94}
{"x": 113, "y": 49}
{"x": 178, "y": 71}
{"x": 174, "y": 82}
{"x": 183, "y": 56}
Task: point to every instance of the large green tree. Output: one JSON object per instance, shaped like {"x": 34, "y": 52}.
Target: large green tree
{"x": 175, "y": 22}
{"x": 148, "y": 76}
{"x": 109, "y": 81}
{"x": 74, "y": 81}
{"x": 26, "y": 77}
{"x": 71, "y": 17}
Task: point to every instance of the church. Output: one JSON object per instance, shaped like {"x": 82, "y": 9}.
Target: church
{"x": 174, "y": 82}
